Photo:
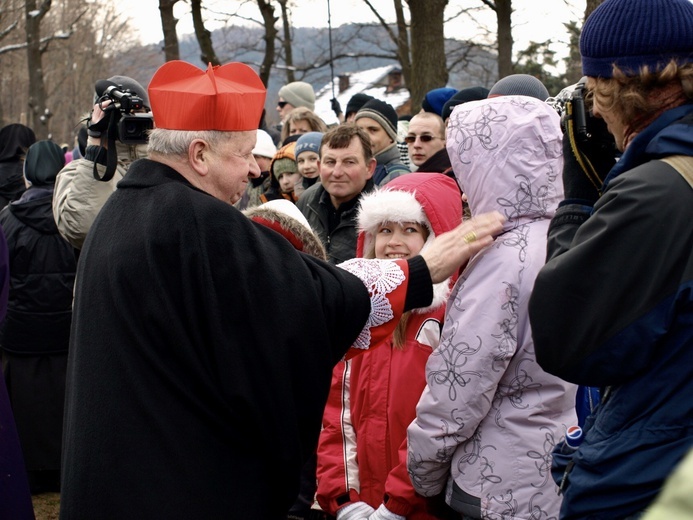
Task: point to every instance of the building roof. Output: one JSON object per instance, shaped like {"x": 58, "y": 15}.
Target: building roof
{"x": 372, "y": 82}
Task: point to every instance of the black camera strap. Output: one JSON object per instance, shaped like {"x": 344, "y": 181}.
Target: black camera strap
{"x": 112, "y": 153}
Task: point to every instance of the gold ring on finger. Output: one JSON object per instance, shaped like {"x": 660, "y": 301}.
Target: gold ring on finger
{"x": 469, "y": 237}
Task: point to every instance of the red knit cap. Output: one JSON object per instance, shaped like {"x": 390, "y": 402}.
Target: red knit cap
{"x": 229, "y": 98}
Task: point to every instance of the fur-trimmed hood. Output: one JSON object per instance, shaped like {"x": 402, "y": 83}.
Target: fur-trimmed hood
{"x": 286, "y": 219}
{"x": 432, "y": 199}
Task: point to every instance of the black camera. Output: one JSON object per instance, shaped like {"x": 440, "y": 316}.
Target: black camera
{"x": 132, "y": 125}
{"x": 570, "y": 105}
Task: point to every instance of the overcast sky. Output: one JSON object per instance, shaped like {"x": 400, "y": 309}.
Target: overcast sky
{"x": 533, "y": 20}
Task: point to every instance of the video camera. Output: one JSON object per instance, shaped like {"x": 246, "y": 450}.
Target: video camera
{"x": 132, "y": 126}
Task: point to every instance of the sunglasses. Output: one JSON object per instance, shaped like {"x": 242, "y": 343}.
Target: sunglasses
{"x": 410, "y": 139}
{"x": 282, "y": 104}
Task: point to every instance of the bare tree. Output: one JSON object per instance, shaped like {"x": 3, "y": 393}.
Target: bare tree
{"x": 204, "y": 37}
{"x": 590, "y": 6}
{"x": 38, "y": 115}
{"x": 503, "y": 10}
{"x": 168, "y": 26}
{"x": 429, "y": 68}
{"x": 270, "y": 36}
{"x": 286, "y": 42}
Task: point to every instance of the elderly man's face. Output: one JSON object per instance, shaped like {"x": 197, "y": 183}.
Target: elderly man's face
{"x": 424, "y": 139}
{"x": 230, "y": 166}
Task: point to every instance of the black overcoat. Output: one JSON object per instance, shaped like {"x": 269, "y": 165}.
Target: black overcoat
{"x": 200, "y": 359}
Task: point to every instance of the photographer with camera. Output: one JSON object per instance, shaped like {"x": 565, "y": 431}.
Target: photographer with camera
{"x": 117, "y": 129}
{"x": 613, "y": 306}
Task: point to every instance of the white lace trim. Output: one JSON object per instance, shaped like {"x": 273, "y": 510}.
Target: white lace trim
{"x": 380, "y": 277}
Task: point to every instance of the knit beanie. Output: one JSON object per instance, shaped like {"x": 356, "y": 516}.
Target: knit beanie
{"x": 434, "y": 99}
{"x": 308, "y": 142}
{"x": 132, "y": 85}
{"x": 463, "y": 96}
{"x": 299, "y": 94}
{"x": 264, "y": 147}
{"x": 285, "y": 165}
{"x": 634, "y": 33}
{"x": 383, "y": 114}
{"x": 519, "y": 85}
{"x": 44, "y": 159}
{"x": 356, "y": 102}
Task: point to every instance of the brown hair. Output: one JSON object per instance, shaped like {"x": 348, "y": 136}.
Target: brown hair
{"x": 638, "y": 100}
{"x": 341, "y": 137}
{"x": 302, "y": 114}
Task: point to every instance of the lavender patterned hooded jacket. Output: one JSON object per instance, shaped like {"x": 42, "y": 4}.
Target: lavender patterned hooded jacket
{"x": 490, "y": 416}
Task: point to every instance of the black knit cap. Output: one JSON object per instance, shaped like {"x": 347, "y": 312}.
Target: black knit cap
{"x": 633, "y": 33}
{"x": 382, "y": 113}
{"x": 44, "y": 159}
{"x": 356, "y": 103}
{"x": 463, "y": 96}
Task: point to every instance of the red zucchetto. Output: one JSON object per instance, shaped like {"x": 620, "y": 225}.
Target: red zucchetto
{"x": 229, "y": 98}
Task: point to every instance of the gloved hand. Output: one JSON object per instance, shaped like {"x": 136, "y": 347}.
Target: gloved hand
{"x": 355, "y": 511}
{"x": 383, "y": 513}
{"x": 587, "y": 156}
{"x": 336, "y": 107}
{"x": 98, "y": 122}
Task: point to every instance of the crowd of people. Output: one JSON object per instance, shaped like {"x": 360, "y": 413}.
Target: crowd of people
{"x": 481, "y": 310}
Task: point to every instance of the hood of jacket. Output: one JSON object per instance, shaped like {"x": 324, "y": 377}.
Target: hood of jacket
{"x": 506, "y": 153}
{"x": 432, "y": 199}
{"x": 34, "y": 209}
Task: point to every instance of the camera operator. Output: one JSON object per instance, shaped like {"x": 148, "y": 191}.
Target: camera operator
{"x": 79, "y": 195}
{"x": 613, "y": 305}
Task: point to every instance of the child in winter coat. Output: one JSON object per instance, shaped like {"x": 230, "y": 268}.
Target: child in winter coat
{"x": 362, "y": 448}
{"x": 490, "y": 416}
{"x": 283, "y": 175}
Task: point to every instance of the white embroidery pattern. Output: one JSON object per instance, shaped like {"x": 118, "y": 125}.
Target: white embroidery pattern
{"x": 380, "y": 277}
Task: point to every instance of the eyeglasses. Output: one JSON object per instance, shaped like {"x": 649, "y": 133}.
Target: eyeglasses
{"x": 282, "y": 104}
{"x": 411, "y": 139}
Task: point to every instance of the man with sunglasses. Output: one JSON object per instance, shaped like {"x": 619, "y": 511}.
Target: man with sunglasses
{"x": 293, "y": 95}
{"x": 426, "y": 143}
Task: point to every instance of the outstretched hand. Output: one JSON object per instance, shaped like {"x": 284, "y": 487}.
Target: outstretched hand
{"x": 450, "y": 250}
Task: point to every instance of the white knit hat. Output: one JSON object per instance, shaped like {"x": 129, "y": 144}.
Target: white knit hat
{"x": 265, "y": 146}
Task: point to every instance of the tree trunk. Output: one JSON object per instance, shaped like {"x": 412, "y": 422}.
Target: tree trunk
{"x": 268, "y": 21}
{"x": 505, "y": 37}
{"x": 168, "y": 25}
{"x": 402, "y": 42}
{"x": 428, "y": 63}
{"x": 38, "y": 115}
{"x": 286, "y": 43}
{"x": 590, "y": 6}
{"x": 204, "y": 37}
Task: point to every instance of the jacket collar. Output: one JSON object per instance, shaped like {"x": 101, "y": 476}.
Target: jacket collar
{"x": 670, "y": 134}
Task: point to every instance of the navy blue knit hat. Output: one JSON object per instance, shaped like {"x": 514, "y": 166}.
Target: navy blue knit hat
{"x": 633, "y": 33}
{"x": 434, "y": 99}
{"x": 308, "y": 142}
